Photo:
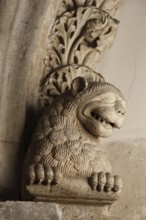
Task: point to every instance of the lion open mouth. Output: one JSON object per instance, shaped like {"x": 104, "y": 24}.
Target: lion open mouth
{"x": 97, "y": 117}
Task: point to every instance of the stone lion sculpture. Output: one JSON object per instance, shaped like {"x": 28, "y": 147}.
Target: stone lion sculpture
{"x": 66, "y": 140}
{"x": 80, "y": 106}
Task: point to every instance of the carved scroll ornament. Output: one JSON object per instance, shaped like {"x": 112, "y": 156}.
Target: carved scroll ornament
{"x": 80, "y": 107}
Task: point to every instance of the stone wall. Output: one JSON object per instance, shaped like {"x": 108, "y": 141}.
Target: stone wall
{"x": 25, "y": 26}
{"x": 128, "y": 158}
{"x": 29, "y": 210}
{"x": 45, "y": 211}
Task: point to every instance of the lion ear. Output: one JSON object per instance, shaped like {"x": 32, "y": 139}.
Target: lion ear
{"x": 79, "y": 84}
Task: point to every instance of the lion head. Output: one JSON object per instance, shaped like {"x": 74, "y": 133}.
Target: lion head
{"x": 101, "y": 107}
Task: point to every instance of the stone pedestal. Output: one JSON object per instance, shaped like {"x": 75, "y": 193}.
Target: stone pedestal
{"x": 71, "y": 190}
{"x": 75, "y": 199}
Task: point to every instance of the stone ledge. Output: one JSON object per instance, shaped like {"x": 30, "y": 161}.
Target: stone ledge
{"x": 73, "y": 190}
{"x": 29, "y": 211}
{"x": 17, "y": 210}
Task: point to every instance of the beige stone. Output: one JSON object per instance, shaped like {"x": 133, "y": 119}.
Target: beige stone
{"x": 29, "y": 211}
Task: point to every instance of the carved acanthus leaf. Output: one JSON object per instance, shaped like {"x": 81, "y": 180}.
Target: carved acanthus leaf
{"x": 110, "y": 6}
{"x": 79, "y": 37}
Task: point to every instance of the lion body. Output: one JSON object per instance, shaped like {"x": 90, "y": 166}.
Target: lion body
{"x": 60, "y": 140}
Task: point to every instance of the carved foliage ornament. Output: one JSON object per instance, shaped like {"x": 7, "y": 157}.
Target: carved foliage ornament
{"x": 80, "y": 107}
{"x": 80, "y": 37}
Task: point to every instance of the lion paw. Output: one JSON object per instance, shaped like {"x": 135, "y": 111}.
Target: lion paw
{"x": 105, "y": 182}
{"x": 39, "y": 174}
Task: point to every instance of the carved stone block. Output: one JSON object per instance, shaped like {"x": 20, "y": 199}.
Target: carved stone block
{"x": 29, "y": 211}
{"x": 48, "y": 211}
{"x": 71, "y": 190}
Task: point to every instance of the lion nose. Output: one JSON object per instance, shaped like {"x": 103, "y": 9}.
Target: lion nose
{"x": 119, "y": 108}
{"x": 121, "y": 112}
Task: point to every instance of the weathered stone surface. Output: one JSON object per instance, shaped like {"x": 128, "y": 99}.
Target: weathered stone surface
{"x": 79, "y": 212}
{"x": 29, "y": 211}
{"x": 51, "y": 211}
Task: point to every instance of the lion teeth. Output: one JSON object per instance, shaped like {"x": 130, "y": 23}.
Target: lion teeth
{"x": 98, "y": 118}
